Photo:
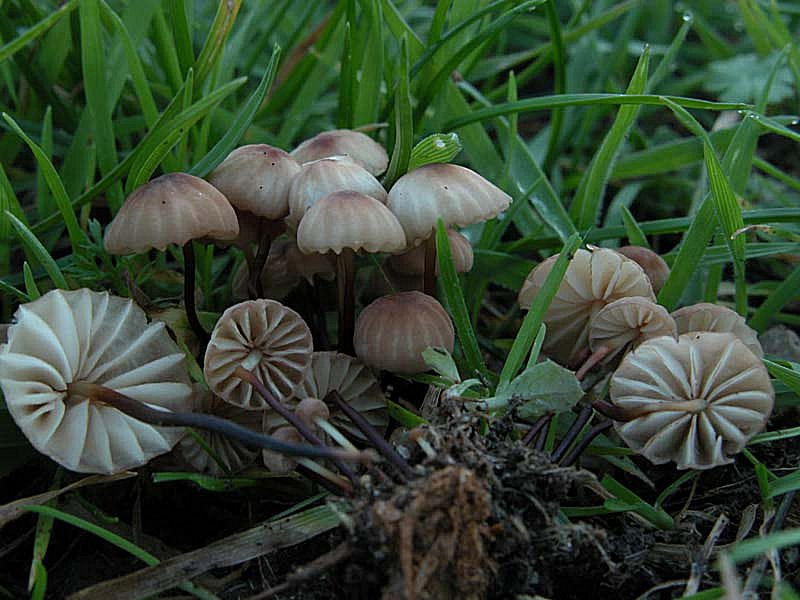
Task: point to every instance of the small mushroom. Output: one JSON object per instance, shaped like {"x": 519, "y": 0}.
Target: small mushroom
{"x": 413, "y": 261}
{"x": 277, "y": 462}
{"x": 654, "y": 266}
{"x": 355, "y": 145}
{"x": 392, "y": 332}
{"x": 696, "y": 400}
{"x": 712, "y": 317}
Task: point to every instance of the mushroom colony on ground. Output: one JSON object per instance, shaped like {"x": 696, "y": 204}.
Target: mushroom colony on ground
{"x": 98, "y": 388}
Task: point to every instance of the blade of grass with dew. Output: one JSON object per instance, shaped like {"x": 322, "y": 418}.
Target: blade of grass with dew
{"x": 30, "y": 282}
{"x": 787, "y": 291}
{"x": 119, "y": 542}
{"x": 403, "y": 122}
{"x": 36, "y": 30}
{"x": 586, "y": 206}
{"x": 38, "y": 251}
{"x": 667, "y": 62}
{"x": 530, "y": 324}
{"x": 368, "y": 97}
{"x": 632, "y": 229}
{"x": 455, "y": 298}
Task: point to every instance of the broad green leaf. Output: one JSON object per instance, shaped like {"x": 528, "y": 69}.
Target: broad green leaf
{"x": 436, "y": 148}
{"x": 440, "y": 361}
{"x": 544, "y": 388}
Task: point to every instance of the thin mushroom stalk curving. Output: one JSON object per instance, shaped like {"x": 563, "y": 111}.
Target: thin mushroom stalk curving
{"x": 345, "y": 276}
{"x": 189, "y": 297}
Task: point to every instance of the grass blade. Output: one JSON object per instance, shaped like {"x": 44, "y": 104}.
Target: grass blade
{"x": 38, "y": 251}
{"x": 34, "y": 32}
{"x": 30, "y": 282}
{"x": 635, "y": 234}
{"x": 403, "y": 122}
{"x": 212, "y": 48}
{"x": 787, "y": 291}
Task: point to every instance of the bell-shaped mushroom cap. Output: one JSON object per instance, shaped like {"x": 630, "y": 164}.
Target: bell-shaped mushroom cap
{"x": 262, "y": 336}
{"x": 275, "y": 461}
{"x": 413, "y": 261}
{"x": 349, "y": 220}
{"x": 257, "y": 178}
{"x": 171, "y": 209}
{"x": 629, "y": 321}
{"x": 82, "y": 336}
{"x": 654, "y": 266}
{"x": 457, "y": 195}
{"x": 711, "y": 317}
{"x": 356, "y": 385}
{"x": 593, "y": 279}
{"x": 696, "y": 400}
{"x": 355, "y": 145}
{"x": 392, "y": 332}
{"x": 234, "y": 455}
{"x": 321, "y": 177}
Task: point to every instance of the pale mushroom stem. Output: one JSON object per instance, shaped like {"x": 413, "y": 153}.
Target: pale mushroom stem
{"x": 256, "y": 287}
{"x": 290, "y": 417}
{"x": 188, "y": 294}
{"x": 163, "y": 418}
{"x": 345, "y": 275}
{"x": 429, "y": 273}
{"x": 594, "y": 358}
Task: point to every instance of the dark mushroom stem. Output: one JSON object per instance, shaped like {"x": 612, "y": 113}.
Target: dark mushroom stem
{"x": 345, "y": 275}
{"x": 540, "y": 424}
{"x": 429, "y": 274}
{"x": 574, "y": 430}
{"x": 593, "y": 432}
{"x": 594, "y": 358}
{"x": 256, "y": 287}
{"x": 188, "y": 294}
{"x": 289, "y": 416}
{"x": 164, "y": 418}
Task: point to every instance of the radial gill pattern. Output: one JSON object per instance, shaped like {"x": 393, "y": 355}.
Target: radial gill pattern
{"x": 66, "y": 337}
{"x": 696, "y": 400}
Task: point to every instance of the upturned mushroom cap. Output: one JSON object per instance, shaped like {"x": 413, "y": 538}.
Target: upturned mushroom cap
{"x": 232, "y": 453}
{"x": 308, "y": 410}
{"x": 275, "y": 461}
{"x": 171, "y": 209}
{"x": 321, "y": 177}
{"x": 629, "y": 321}
{"x": 457, "y": 195}
{"x": 356, "y": 385}
{"x": 413, "y": 261}
{"x": 593, "y": 279}
{"x": 68, "y": 337}
{"x": 656, "y": 269}
{"x": 349, "y": 220}
{"x": 696, "y": 400}
{"x": 262, "y": 336}
{"x": 392, "y": 332}
{"x": 712, "y": 317}
{"x": 257, "y": 178}
{"x": 355, "y": 145}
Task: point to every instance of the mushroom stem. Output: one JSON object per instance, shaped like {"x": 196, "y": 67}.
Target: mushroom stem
{"x": 611, "y": 411}
{"x": 537, "y": 427}
{"x": 163, "y": 418}
{"x": 595, "y": 430}
{"x": 594, "y": 358}
{"x": 326, "y": 474}
{"x": 429, "y": 274}
{"x": 574, "y": 430}
{"x": 336, "y": 435}
{"x": 256, "y": 287}
{"x": 289, "y": 416}
{"x": 381, "y": 445}
{"x": 345, "y": 271}
{"x": 188, "y": 294}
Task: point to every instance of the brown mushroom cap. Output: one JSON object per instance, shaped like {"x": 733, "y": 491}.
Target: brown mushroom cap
{"x": 257, "y": 178}
{"x": 629, "y": 321}
{"x": 392, "y": 332}
{"x": 413, "y": 261}
{"x": 275, "y": 461}
{"x": 349, "y": 220}
{"x": 262, "y": 336}
{"x": 321, "y": 177}
{"x": 171, "y": 209}
{"x": 457, "y": 195}
{"x": 712, "y": 317}
{"x": 355, "y": 145}
{"x": 592, "y": 280}
{"x": 696, "y": 400}
{"x": 654, "y": 266}
{"x": 308, "y": 410}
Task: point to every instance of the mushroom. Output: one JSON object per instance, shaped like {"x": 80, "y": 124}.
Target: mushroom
{"x": 173, "y": 209}
{"x": 654, "y": 266}
{"x": 413, "y": 261}
{"x": 712, "y": 317}
{"x": 355, "y": 145}
{"x": 593, "y": 279}
{"x": 69, "y": 339}
{"x": 344, "y": 223}
{"x": 392, "y": 332}
{"x": 622, "y": 324}
{"x": 457, "y": 195}
{"x": 696, "y": 400}
{"x": 277, "y": 462}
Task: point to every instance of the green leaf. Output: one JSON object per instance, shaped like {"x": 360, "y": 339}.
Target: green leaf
{"x": 436, "y": 148}
{"x": 405, "y": 417}
{"x": 743, "y": 77}
{"x": 788, "y": 375}
{"x": 657, "y": 516}
{"x": 403, "y": 123}
{"x": 635, "y": 234}
{"x": 440, "y": 361}
{"x": 38, "y": 251}
{"x": 30, "y": 282}
{"x": 207, "y": 482}
{"x": 544, "y": 388}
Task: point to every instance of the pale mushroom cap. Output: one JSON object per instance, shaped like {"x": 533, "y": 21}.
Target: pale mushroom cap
{"x": 277, "y": 462}
{"x": 712, "y": 317}
{"x": 262, "y": 336}
{"x": 349, "y": 220}
{"x": 233, "y": 454}
{"x": 392, "y": 332}
{"x": 308, "y": 410}
{"x": 656, "y": 269}
{"x": 357, "y": 146}
{"x": 321, "y": 177}
{"x": 413, "y": 261}
{"x": 592, "y": 280}
{"x": 356, "y": 385}
{"x": 171, "y": 209}
{"x": 629, "y": 321}
{"x": 257, "y": 178}
{"x": 457, "y": 195}
{"x": 83, "y": 336}
{"x": 696, "y": 400}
